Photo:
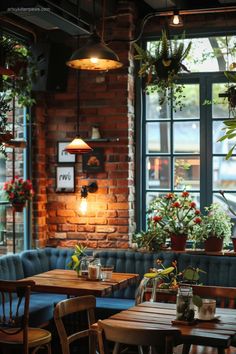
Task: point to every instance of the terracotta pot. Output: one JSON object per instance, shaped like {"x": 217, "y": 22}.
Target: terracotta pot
{"x": 18, "y": 207}
{"x": 213, "y": 244}
{"x": 234, "y": 243}
{"x": 178, "y": 242}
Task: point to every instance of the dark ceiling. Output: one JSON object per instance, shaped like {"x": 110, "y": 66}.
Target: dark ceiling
{"x": 63, "y": 15}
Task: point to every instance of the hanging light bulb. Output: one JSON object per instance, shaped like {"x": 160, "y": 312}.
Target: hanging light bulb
{"x": 176, "y": 20}
{"x": 90, "y": 188}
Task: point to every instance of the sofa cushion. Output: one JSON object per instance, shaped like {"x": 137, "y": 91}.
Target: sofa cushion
{"x": 58, "y": 258}
{"x": 34, "y": 262}
{"x": 106, "y": 307}
{"x": 220, "y": 270}
{"x": 11, "y": 267}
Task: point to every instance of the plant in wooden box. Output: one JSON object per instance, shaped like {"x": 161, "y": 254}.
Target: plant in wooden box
{"x": 161, "y": 66}
{"x": 175, "y": 215}
{"x": 18, "y": 191}
{"x": 214, "y": 230}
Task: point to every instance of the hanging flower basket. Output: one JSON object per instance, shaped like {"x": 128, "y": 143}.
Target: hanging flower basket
{"x": 18, "y": 207}
{"x": 18, "y": 191}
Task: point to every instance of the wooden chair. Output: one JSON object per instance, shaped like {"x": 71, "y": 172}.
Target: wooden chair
{"x": 159, "y": 340}
{"x": 72, "y": 306}
{"x": 14, "y": 330}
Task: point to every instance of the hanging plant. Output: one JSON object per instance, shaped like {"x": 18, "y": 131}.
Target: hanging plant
{"x": 230, "y": 124}
{"x": 17, "y": 84}
{"x": 161, "y": 69}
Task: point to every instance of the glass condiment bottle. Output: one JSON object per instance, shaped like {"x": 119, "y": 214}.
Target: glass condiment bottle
{"x": 84, "y": 265}
{"x": 94, "y": 270}
{"x": 184, "y": 304}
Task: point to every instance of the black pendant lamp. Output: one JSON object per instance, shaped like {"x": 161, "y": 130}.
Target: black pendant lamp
{"x": 95, "y": 55}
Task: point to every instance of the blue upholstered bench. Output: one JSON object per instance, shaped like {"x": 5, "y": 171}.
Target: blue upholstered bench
{"x": 220, "y": 270}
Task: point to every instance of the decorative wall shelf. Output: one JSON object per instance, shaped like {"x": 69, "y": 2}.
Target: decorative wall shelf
{"x": 102, "y": 140}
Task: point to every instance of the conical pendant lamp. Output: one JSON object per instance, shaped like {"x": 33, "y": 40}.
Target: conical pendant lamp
{"x": 78, "y": 145}
{"x": 95, "y": 55}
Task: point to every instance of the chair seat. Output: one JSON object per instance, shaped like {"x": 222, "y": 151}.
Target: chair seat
{"x": 37, "y": 337}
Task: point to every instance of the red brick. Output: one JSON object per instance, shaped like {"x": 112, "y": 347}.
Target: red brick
{"x": 118, "y": 206}
{"x": 62, "y": 212}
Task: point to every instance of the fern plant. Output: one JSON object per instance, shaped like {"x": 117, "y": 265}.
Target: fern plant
{"x": 161, "y": 69}
{"x": 230, "y": 124}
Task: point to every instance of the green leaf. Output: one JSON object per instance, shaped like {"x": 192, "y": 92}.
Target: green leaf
{"x": 197, "y": 301}
{"x": 230, "y": 152}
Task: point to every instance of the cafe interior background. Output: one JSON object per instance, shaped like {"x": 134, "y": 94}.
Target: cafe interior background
{"x": 142, "y": 148}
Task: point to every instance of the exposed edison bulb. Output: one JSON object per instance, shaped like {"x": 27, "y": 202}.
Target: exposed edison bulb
{"x": 83, "y": 206}
{"x": 94, "y": 60}
{"x": 176, "y": 20}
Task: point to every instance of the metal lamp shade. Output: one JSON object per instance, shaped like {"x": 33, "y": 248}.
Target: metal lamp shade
{"x": 78, "y": 146}
{"x": 95, "y": 55}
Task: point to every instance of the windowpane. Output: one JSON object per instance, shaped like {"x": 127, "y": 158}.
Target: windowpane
{"x": 158, "y": 173}
{"x": 224, "y": 173}
{"x": 154, "y": 110}
{"x": 186, "y": 137}
{"x": 190, "y": 99}
{"x": 187, "y": 173}
{"x": 158, "y": 137}
{"x": 220, "y": 107}
{"x": 221, "y": 147}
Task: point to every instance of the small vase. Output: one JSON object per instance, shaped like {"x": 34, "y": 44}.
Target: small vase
{"x": 178, "y": 242}
{"x": 18, "y": 207}
{"x": 213, "y": 244}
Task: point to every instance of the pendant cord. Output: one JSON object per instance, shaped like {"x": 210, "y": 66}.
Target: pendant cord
{"x": 103, "y": 18}
{"x": 77, "y": 96}
{"x": 94, "y": 17}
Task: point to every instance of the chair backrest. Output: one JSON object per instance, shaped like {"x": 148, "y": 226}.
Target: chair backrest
{"x": 141, "y": 335}
{"x": 71, "y": 306}
{"x": 225, "y": 296}
{"x": 14, "y": 304}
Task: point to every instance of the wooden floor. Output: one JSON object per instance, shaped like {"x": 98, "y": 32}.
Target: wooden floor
{"x": 197, "y": 349}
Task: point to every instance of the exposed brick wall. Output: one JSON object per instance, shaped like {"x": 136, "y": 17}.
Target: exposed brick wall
{"x": 106, "y": 99}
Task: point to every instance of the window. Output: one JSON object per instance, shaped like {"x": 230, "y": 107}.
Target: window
{"x": 180, "y": 149}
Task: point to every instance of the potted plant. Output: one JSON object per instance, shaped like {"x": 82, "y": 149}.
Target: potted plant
{"x": 77, "y": 259}
{"x": 162, "y": 66}
{"x": 18, "y": 191}
{"x": 153, "y": 239}
{"x": 173, "y": 216}
{"x": 214, "y": 230}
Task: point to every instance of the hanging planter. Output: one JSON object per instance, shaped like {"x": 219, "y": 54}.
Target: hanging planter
{"x": 162, "y": 67}
{"x": 18, "y": 207}
{"x": 17, "y": 74}
{"x": 18, "y": 191}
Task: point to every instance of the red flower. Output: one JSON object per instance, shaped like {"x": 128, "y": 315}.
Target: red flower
{"x": 185, "y": 194}
{"x": 197, "y": 212}
{"x": 176, "y": 205}
{"x": 193, "y": 205}
{"x": 198, "y": 220}
{"x": 169, "y": 195}
{"x": 157, "y": 218}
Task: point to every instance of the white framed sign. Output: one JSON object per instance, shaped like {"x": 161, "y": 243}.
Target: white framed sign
{"x": 65, "y": 179}
{"x": 62, "y": 155}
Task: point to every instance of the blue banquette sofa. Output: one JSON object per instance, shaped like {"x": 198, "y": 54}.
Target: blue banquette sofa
{"x": 220, "y": 270}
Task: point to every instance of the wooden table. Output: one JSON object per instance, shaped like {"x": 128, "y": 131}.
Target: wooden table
{"x": 217, "y": 333}
{"x": 61, "y": 281}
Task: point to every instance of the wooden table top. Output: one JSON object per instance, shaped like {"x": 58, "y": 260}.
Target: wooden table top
{"x": 216, "y": 333}
{"x": 67, "y": 282}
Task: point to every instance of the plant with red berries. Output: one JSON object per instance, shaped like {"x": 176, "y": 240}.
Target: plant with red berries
{"x": 18, "y": 190}
{"x": 174, "y": 213}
